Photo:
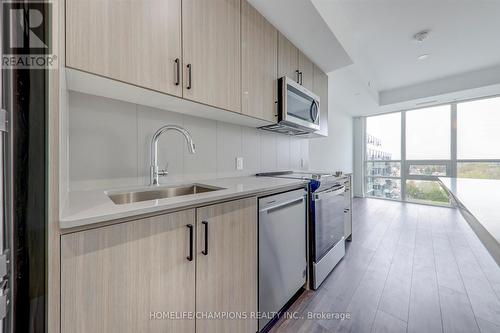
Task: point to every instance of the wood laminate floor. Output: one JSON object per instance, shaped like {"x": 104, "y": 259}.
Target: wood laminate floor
{"x": 409, "y": 268}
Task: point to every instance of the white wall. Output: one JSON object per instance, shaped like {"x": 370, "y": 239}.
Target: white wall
{"x": 335, "y": 152}
{"x": 109, "y": 146}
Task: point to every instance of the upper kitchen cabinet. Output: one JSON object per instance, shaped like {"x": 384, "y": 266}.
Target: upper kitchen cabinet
{"x": 306, "y": 71}
{"x": 294, "y": 64}
{"x": 137, "y": 42}
{"x": 288, "y": 58}
{"x": 211, "y": 52}
{"x": 259, "y": 64}
{"x": 320, "y": 88}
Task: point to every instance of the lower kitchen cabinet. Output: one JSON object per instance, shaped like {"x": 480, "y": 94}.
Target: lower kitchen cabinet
{"x": 226, "y": 268}
{"x": 116, "y": 278}
{"x": 129, "y": 277}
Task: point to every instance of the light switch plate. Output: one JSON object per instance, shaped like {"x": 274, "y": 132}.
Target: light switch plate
{"x": 239, "y": 163}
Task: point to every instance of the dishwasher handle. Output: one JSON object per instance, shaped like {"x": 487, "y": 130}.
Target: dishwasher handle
{"x": 282, "y": 205}
{"x": 329, "y": 193}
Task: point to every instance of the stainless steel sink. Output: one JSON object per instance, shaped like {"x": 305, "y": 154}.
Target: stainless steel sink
{"x": 155, "y": 193}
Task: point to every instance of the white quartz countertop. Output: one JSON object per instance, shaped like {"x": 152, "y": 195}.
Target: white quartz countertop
{"x": 481, "y": 198}
{"x": 88, "y": 207}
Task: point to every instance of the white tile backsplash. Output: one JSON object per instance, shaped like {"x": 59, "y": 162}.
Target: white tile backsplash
{"x": 229, "y": 146}
{"x": 102, "y": 140}
{"x": 295, "y": 154}
{"x": 304, "y": 154}
{"x": 250, "y": 145}
{"x": 203, "y": 164}
{"x": 109, "y": 146}
{"x": 283, "y": 152}
{"x": 268, "y": 151}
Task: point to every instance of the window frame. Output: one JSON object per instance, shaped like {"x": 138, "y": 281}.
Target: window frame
{"x": 451, "y": 164}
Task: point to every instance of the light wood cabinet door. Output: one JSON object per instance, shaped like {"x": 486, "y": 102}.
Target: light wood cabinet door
{"x": 288, "y": 58}
{"x": 211, "y": 52}
{"x": 226, "y": 275}
{"x": 306, "y": 68}
{"x": 259, "y": 64}
{"x": 134, "y": 41}
{"x": 320, "y": 88}
{"x": 121, "y": 278}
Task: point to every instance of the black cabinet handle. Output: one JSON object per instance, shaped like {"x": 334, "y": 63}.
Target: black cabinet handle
{"x": 190, "y": 69}
{"x": 177, "y": 71}
{"x": 297, "y": 72}
{"x": 300, "y": 77}
{"x": 205, "y": 251}
{"x": 191, "y": 241}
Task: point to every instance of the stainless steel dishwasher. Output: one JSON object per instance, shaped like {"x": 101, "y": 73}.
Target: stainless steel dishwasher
{"x": 282, "y": 250}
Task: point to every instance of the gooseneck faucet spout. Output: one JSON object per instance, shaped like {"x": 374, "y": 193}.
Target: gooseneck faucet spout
{"x": 155, "y": 172}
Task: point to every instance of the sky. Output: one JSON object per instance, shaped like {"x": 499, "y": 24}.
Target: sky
{"x": 387, "y": 129}
{"x": 478, "y": 129}
{"x": 428, "y": 131}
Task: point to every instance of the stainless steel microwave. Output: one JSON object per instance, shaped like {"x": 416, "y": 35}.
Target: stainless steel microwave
{"x": 298, "y": 109}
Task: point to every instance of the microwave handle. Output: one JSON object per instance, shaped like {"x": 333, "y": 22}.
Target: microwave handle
{"x": 315, "y": 117}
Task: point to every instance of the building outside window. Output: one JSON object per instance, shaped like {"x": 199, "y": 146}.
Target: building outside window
{"x": 383, "y": 156}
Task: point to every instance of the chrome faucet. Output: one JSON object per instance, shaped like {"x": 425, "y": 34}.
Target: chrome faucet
{"x": 155, "y": 172}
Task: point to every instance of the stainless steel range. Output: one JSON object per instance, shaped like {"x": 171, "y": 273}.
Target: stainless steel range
{"x": 329, "y": 210}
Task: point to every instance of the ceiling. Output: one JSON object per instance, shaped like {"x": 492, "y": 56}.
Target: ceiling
{"x": 463, "y": 47}
{"x": 368, "y": 49}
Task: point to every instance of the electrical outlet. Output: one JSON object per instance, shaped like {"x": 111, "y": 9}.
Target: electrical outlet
{"x": 239, "y": 163}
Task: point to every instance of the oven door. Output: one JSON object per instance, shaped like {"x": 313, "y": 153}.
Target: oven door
{"x": 328, "y": 219}
{"x": 299, "y": 107}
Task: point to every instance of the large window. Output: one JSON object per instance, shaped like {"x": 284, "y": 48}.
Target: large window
{"x": 406, "y": 151}
{"x": 478, "y": 139}
{"x": 383, "y": 156}
{"x": 428, "y": 138}
{"x": 428, "y": 133}
{"x": 383, "y": 137}
{"x": 478, "y": 129}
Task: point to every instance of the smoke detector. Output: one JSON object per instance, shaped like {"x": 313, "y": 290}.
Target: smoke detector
{"x": 421, "y": 36}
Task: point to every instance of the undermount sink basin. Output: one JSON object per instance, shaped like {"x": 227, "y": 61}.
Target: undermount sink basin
{"x": 155, "y": 193}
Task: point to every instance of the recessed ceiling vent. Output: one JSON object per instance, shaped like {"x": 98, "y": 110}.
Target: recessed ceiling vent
{"x": 427, "y": 102}
{"x": 421, "y": 36}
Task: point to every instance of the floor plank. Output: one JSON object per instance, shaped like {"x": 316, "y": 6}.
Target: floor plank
{"x": 396, "y": 295}
{"x": 364, "y": 303}
{"x": 483, "y": 299}
{"x": 487, "y": 327}
{"x": 409, "y": 268}
{"x": 424, "y": 296}
{"x": 384, "y": 323}
{"x": 457, "y": 312}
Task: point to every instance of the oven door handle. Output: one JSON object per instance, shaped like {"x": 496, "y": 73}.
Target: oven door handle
{"x": 329, "y": 193}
